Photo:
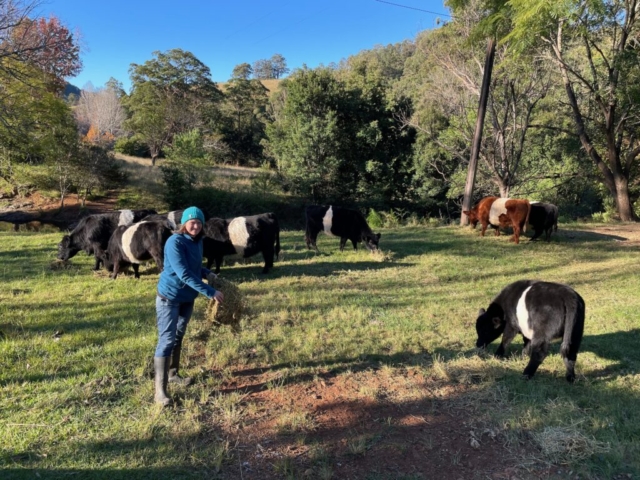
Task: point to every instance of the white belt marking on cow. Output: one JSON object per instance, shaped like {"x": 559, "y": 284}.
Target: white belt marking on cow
{"x": 126, "y": 217}
{"x": 523, "y": 316}
{"x": 327, "y": 221}
{"x": 239, "y": 234}
{"x": 127, "y": 240}
{"x": 498, "y": 208}
{"x": 171, "y": 217}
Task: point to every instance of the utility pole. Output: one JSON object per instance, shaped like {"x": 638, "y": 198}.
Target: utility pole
{"x": 477, "y": 136}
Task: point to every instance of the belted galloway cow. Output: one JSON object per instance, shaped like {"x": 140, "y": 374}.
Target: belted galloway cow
{"x": 340, "y": 222}
{"x": 92, "y": 233}
{"x": 501, "y": 213}
{"x": 242, "y": 236}
{"x": 540, "y": 311}
{"x": 135, "y": 244}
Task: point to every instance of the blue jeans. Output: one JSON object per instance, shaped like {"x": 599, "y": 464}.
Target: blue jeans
{"x": 173, "y": 318}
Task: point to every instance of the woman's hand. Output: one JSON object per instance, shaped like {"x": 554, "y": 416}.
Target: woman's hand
{"x": 218, "y": 296}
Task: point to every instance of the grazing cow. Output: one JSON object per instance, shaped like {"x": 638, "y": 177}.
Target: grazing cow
{"x": 134, "y": 244}
{"x": 543, "y": 218}
{"x": 339, "y": 222}
{"x": 242, "y": 236}
{"x": 540, "y": 311}
{"x": 92, "y": 233}
{"x": 501, "y": 213}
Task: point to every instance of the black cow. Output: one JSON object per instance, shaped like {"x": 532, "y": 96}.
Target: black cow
{"x": 543, "y": 218}
{"x": 134, "y": 244}
{"x": 340, "y": 222}
{"x": 540, "y": 311}
{"x": 92, "y": 233}
{"x": 243, "y": 236}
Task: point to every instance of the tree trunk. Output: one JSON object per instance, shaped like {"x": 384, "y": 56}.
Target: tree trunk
{"x": 623, "y": 202}
{"x": 477, "y": 136}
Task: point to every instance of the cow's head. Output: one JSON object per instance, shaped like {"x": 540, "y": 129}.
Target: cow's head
{"x": 107, "y": 261}
{"x": 371, "y": 240}
{"x": 489, "y": 326}
{"x": 472, "y": 215}
{"x": 65, "y": 249}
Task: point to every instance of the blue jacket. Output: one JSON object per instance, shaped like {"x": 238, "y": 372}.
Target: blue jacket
{"x": 181, "y": 279}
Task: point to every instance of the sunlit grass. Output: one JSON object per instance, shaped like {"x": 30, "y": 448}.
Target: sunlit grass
{"x": 75, "y": 348}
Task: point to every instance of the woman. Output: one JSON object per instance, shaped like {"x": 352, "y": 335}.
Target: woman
{"x": 179, "y": 285}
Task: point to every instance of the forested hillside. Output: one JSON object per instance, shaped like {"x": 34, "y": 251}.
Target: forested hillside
{"x": 389, "y": 128}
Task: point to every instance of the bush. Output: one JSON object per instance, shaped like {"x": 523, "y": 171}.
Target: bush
{"x": 132, "y": 146}
{"x": 374, "y": 219}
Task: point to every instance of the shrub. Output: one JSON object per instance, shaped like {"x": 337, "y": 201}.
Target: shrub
{"x": 374, "y": 219}
{"x": 132, "y": 146}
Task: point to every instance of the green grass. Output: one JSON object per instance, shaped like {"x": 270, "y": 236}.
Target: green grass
{"x": 81, "y": 401}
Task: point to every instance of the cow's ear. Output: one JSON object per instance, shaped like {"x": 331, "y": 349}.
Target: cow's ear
{"x": 482, "y": 311}
{"x": 466, "y": 212}
{"x": 496, "y": 322}
{"x": 378, "y": 235}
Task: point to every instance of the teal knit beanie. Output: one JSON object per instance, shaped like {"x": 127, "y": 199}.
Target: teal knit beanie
{"x": 192, "y": 213}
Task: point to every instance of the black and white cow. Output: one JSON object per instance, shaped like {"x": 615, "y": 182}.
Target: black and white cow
{"x": 92, "y": 233}
{"x": 340, "y": 222}
{"x": 171, "y": 219}
{"x": 540, "y": 311}
{"x": 543, "y": 218}
{"x": 242, "y": 236}
{"x": 135, "y": 244}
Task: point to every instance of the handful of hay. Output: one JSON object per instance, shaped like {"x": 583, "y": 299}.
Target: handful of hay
{"x": 380, "y": 256}
{"x": 230, "y": 311}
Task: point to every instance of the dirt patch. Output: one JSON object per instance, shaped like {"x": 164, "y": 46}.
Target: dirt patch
{"x": 384, "y": 423}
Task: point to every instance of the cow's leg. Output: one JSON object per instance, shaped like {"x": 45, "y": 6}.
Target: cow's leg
{"x": 116, "y": 268}
{"x": 496, "y": 231}
{"x": 99, "y": 254}
{"x": 526, "y": 351}
{"x": 507, "y": 337}
{"x": 267, "y": 254}
{"x": 209, "y": 262}
{"x": 536, "y": 234}
{"x": 355, "y": 244}
{"x": 311, "y": 238}
{"x": 539, "y": 350}
{"x": 570, "y": 362}
{"x": 343, "y": 242}
{"x": 218, "y": 264}
{"x": 516, "y": 234}
{"x": 136, "y": 267}
{"x": 484, "y": 228}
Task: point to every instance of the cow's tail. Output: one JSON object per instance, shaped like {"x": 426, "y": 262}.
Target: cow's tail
{"x": 526, "y": 220}
{"x": 573, "y": 326}
{"x": 277, "y": 249}
{"x": 555, "y": 220}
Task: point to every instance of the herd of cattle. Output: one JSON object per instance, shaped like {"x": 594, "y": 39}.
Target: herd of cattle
{"x": 540, "y": 311}
{"x": 130, "y": 237}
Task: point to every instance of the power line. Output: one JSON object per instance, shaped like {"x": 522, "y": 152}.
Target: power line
{"x": 413, "y": 8}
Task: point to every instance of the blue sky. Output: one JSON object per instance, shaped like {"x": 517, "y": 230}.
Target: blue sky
{"x": 223, "y": 34}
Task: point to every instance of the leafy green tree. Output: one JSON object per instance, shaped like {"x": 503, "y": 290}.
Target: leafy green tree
{"x": 185, "y": 166}
{"x": 170, "y": 94}
{"x": 593, "y": 45}
{"x": 278, "y": 66}
{"x": 242, "y": 71}
{"x": 242, "y": 125}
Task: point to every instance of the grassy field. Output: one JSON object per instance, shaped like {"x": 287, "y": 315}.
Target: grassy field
{"x": 76, "y": 347}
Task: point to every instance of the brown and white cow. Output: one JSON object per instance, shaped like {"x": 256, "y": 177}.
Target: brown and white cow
{"x": 501, "y": 213}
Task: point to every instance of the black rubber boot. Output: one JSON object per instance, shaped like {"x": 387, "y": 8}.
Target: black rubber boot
{"x": 175, "y": 366}
{"x": 161, "y": 367}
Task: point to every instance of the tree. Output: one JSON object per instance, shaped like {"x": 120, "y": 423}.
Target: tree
{"x": 242, "y": 71}
{"x": 243, "y": 120}
{"x": 102, "y": 113}
{"x": 262, "y": 69}
{"x": 171, "y": 93}
{"x": 278, "y": 66}
{"x": 594, "y": 47}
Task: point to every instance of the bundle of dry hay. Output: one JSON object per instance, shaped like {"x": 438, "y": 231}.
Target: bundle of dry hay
{"x": 231, "y": 310}
{"x": 566, "y": 444}
{"x": 381, "y": 256}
